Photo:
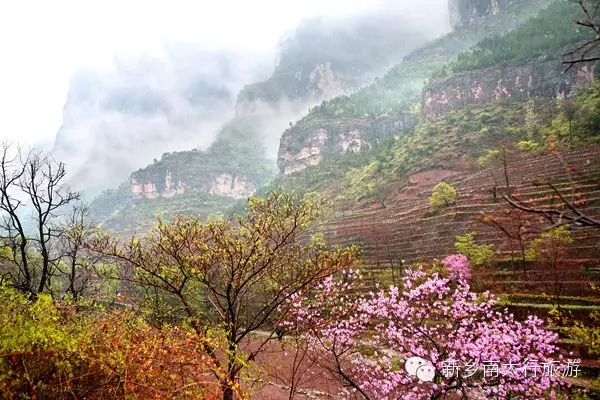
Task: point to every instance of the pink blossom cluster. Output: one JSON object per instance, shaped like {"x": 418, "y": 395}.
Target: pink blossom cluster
{"x": 458, "y": 266}
{"x": 365, "y": 339}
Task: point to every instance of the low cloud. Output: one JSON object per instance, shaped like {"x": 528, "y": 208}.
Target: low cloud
{"x": 173, "y": 87}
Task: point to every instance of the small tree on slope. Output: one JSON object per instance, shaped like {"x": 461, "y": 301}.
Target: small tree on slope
{"x": 442, "y": 195}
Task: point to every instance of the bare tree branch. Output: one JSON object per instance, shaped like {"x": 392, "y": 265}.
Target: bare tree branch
{"x": 588, "y": 51}
{"x": 31, "y": 180}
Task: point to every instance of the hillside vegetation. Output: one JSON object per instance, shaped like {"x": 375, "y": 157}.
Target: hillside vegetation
{"x": 240, "y": 147}
{"x": 544, "y": 36}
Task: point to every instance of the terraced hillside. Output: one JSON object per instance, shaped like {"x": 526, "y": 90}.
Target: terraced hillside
{"x": 410, "y": 229}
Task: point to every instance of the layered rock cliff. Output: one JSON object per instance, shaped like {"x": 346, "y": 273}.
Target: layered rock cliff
{"x": 312, "y": 139}
{"x": 224, "y": 184}
{"x": 546, "y": 79}
{"x": 388, "y": 106}
{"x": 324, "y": 58}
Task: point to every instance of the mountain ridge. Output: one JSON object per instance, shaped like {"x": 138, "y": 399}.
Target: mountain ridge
{"x": 354, "y": 139}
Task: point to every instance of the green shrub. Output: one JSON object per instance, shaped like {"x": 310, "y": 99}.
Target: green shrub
{"x": 482, "y": 254}
{"x": 53, "y": 350}
{"x": 442, "y": 195}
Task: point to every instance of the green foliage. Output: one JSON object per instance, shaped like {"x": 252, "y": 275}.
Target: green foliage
{"x": 579, "y": 120}
{"x": 545, "y": 35}
{"x": 360, "y": 182}
{"x": 563, "y": 123}
{"x": 478, "y": 254}
{"x": 442, "y": 195}
{"x": 528, "y": 146}
{"x": 434, "y": 143}
{"x": 490, "y": 155}
{"x": 532, "y": 125}
{"x": 30, "y": 326}
{"x": 365, "y": 183}
{"x": 549, "y": 242}
{"x": 589, "y": 335}
{"x": 138, "y": 215}
{"x": 416, "y": 109}
{"x": 56, "y": 350}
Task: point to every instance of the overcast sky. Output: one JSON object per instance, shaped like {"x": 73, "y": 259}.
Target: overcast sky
{"x": 42, "y": 42}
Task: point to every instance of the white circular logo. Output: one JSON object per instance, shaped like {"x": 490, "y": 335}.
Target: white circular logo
{"x": 413, "y": 364}
{"x": 426, "y": 373}
{"x": 421, "y": 368}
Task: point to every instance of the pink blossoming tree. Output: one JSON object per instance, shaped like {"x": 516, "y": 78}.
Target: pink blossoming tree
{"x": 458, "y": 266}
{"x": 476, "y": 350}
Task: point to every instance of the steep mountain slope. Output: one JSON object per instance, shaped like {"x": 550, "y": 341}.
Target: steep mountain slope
{"x": 468, "y": 110}
{"x": 331, "y": 130}
{"x": 308, "y": 72}
{"x": 396, "y": 96}
{"x": 313, "y": 64}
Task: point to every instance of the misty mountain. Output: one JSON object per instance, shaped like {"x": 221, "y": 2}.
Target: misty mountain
{"x": 320, "y": 59}
{"x": 123, "y": 115}
{"x": 325, "y": 57}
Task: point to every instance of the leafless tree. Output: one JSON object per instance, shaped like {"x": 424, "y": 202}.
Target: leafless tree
{"x": 588, "y": 51}
{"x": 569, "y": 110}
{"x": 564, "y": 211}
{"x": 32, "y": 197}
{"x": 570, "y": 215}
{"x": 76, "y": 263}
{"x": 500, "y": 157}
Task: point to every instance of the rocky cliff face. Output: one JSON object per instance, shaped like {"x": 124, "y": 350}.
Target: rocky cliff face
{"x": 544, "y": 79}
{"x": 311, "y": 139}
{"x": 329, "y": 130}
{"x": 227, "y": 185}
{"x": 195, "y": 181}
{"x": 234, "y": 166}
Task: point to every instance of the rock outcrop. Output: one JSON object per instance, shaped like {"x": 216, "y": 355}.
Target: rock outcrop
{"x": 546, "y": 79}
{"x": 309, "y": 141}
{"x": 148, "y": 189}
{"x": 227, "y": 185}
{"x": 232, "y": 186}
